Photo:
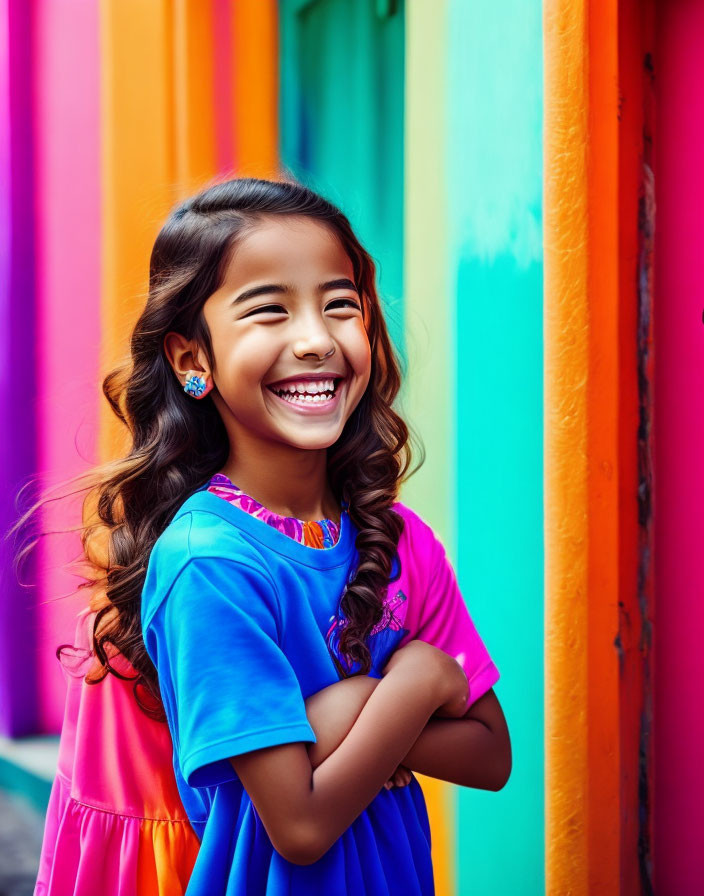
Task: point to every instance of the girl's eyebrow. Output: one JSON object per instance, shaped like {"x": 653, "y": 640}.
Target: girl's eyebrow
{"x": 341, "y": 283}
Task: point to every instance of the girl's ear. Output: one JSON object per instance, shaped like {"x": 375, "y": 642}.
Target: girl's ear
{"x": 185, "y": 357}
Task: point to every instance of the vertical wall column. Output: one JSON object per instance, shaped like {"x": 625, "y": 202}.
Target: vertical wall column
{"x": 494, "y": 255}
{"x": 590, "y": 475}
{"x": 679, "y": 449}
{"x": 67, "y": 227}
{"x": 428, "y": 397}
{"x": 138, "y": 172}
{"x": 18, "y": 395}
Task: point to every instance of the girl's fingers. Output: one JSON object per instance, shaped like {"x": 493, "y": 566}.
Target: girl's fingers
{"x": 400, "y": 778}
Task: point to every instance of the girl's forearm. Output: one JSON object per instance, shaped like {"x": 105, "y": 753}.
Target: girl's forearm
{"x": 388, "y": 725}
{"x": 333, "y": 711}
{"x": 461, "y": 751}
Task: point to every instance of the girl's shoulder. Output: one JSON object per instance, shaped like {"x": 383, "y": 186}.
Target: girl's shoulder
{"x": 197, "y": 532}
{"x": 194, "y": 535}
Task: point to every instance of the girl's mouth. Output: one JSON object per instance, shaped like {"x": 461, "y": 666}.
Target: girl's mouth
{"x": 313, "y": 397}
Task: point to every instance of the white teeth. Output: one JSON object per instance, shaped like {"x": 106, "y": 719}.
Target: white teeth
{"x": 308, "y": 388}
{"x": 305, "y": 397}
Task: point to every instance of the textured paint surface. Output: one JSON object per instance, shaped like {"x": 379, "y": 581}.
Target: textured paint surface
{"x": 586, "y": 348}
{"x": 634, "y": 640}
{"x": 600, "y": 303}
{"x": 494, "y": 153}
{"x": 679, "y": 448}
{"x": 565, "y": 431}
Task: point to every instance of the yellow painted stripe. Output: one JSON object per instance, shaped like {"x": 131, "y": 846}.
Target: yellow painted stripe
{"x": 428, "y": 395}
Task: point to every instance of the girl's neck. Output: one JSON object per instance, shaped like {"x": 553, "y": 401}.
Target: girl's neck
{"x": 295, "y": 484}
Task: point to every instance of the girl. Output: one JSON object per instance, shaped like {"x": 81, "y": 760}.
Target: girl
{"x": 301, "y": 628}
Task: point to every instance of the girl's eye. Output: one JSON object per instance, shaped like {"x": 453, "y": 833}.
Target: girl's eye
{"x": 276, "y": 309}
{"x": 271, "y": 309}
{"x": 349, "y": 302}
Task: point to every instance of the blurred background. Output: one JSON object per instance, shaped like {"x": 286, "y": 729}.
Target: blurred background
{"x": 528, "y": 179}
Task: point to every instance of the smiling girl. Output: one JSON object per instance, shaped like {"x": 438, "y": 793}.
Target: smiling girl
{"x": 301, "y": 627}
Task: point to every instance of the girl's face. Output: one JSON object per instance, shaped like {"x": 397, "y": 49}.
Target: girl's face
{"x": 288, "y": 300}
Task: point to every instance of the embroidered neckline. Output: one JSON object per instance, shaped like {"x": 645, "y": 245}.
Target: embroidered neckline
{"x": 322, "y": 533}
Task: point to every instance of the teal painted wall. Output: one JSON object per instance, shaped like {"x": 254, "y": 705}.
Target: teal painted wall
{"x": 341, "y": 122}
{"x": 494, "y": 159}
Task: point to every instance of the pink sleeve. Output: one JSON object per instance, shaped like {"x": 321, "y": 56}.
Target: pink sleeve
{"x": 443, "y": 619}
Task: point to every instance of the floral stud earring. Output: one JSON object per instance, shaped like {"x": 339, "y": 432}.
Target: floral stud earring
{"x": 195, "y": 385}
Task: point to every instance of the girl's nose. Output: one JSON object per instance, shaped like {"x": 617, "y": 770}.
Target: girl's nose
{"x": 313, "y": 339}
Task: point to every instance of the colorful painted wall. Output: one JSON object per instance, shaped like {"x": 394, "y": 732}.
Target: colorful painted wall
{"x": 527, "y": 180}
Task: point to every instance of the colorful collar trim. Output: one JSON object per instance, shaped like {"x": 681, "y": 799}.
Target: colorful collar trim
{"x": 315, "y": 533}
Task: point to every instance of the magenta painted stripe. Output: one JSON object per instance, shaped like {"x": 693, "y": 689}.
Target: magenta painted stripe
{"x": 67, "y": 77}
{"x": 17, "y": 391}
{"x": 224, "y": 99}
{"x": 679, "y": 449}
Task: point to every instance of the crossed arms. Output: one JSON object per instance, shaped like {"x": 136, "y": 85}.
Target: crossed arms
{"x": 471, "y": 751}
{"x": 307, "y": 796}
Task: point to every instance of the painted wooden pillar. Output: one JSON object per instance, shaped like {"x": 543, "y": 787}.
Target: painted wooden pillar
{"x": 591, "y": 484}
{"x": 679, "y": 449}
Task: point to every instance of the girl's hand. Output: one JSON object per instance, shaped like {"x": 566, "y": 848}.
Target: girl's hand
{"x": 428, "y": 662}
{"x": 400, "y": 778}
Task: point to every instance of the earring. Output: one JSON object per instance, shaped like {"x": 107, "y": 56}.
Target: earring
{"x": 195, "y": 385}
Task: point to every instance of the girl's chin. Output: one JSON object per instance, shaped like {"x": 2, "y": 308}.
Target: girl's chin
{"x": 309, "y": 438}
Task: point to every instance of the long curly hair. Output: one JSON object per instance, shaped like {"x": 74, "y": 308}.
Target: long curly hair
{"x": 177, "y": 444}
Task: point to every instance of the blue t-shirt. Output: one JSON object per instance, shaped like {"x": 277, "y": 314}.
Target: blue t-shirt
{"x": 234, "y": 617}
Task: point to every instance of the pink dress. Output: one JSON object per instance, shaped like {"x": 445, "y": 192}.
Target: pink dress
{"x": 115, "y": 823}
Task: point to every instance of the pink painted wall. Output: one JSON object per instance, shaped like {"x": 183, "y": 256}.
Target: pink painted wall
{"x": 67, "y": 132}
{"x": 679, "y": 449}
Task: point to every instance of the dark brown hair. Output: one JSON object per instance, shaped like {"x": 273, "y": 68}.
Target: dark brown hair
{"x": 177, "y": 443}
